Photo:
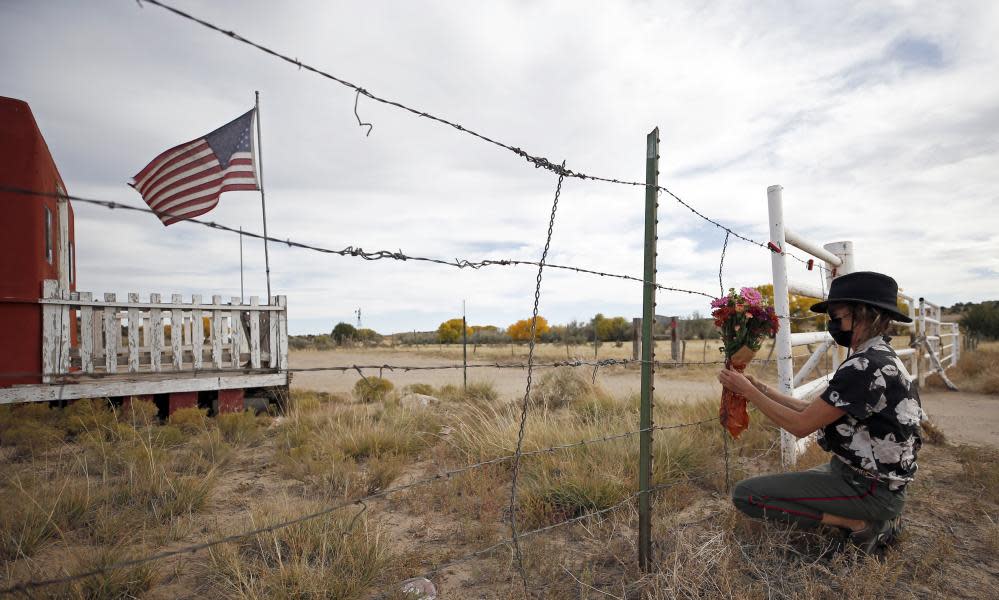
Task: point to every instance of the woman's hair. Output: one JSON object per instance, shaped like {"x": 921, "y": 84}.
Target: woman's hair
{"x": 875, "y": 321}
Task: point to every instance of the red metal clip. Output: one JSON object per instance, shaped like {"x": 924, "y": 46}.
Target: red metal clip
{"x": 811, "y": 264}
{"x": 774, "y": 248}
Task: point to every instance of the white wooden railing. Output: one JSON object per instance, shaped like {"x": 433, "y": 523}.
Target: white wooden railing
{"x": 837, "y": 259}
{"x": 83, "y": 336}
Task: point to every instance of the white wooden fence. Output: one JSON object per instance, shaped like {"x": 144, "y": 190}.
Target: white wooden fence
{"x": 837, "y": 259}
{"x": 115, "y": 347}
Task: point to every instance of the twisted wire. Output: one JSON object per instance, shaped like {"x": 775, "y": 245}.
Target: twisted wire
{"x": 349, "y": 250}
{"x": 536, "y": 160}
{"x": 527, "y": 392}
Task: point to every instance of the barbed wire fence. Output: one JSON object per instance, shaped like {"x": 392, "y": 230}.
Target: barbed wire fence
{"x": 520, "y": 453}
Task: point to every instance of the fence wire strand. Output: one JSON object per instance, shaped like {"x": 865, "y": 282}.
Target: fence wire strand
{"x": 349, "y": 250}
{"x": 536, "y": 160}
{"x": 527, "y": 392}
{"x": 606, "y": 362}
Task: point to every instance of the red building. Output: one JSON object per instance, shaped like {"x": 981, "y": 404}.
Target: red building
{"x": 37, "y": 241}
{"x": 60, "y": 344}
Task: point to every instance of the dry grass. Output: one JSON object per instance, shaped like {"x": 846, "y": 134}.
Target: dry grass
{"x": 372, "y": 389}
{"x": 334, "y": 556}
{"x": 976, "y": 371}
{"x": 112, "y": 485}
{"x": 105, "y": 483}
{"x": 981, "y": 470}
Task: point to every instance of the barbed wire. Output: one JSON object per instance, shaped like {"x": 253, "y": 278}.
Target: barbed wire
{"x": 527, "y": 392}
{"x": 80, "y": 376}
{"x": 536, "y": 160}
{"x": 349, "y": 250}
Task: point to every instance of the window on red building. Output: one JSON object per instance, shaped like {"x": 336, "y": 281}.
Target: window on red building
{"x": 48, "y": 235}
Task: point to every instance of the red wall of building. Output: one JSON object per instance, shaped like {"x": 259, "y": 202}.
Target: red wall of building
{"x": 25, "y": 162}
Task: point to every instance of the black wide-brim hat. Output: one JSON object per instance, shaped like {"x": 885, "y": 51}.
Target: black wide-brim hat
{"x": 867, "y": 287}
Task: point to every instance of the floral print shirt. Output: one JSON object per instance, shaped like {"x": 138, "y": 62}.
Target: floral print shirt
{"x": 879, "y": 434}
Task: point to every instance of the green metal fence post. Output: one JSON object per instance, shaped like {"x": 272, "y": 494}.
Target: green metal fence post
{"x": 648, "y": 349}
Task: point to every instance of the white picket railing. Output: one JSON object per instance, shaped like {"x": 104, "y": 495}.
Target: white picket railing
{"x": 133, "y": 337}
{"x": 837, "y": 259}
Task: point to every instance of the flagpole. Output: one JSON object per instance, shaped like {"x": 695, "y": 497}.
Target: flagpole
{"x": 242, "y": 294}
{"x": 263, "y": 203}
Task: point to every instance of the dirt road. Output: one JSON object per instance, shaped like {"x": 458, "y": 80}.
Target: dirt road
{"x": 964, "y": 417}
{"x": 509, "y": 383}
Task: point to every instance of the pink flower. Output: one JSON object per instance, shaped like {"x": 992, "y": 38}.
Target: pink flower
{"x": 752, "y": 296}
{"x": 720, "y": 302}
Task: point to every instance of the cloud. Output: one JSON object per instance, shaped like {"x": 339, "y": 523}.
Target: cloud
{"x": 878, "y": 120}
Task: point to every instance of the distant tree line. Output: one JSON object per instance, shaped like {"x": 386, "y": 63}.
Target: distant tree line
{"x": 979, "y": 319}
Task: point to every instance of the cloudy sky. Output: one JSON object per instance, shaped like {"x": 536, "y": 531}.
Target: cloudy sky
{"x": 880, "y": 119}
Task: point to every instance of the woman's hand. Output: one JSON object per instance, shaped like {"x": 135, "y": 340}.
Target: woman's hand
{"x": 736, "y": 381}
{"x": 757, "y": 384}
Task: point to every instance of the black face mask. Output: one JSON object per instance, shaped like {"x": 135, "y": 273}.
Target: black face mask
{"x": 843, "y": 338}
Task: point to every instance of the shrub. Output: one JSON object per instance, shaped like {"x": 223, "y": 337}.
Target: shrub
{"x": 29, "y": 438}
{"x": 139, "y": 413}
{"x": 190, "y": 419}
{"x": 239, "y": 428}
{"x": 476, "y": 392}
{"x": 343, "y": 332}
{"x": 168, "y": 436}
{"x": 372, "y": 389}
{"x": 89, "y": 415}
{"x": 561, "y": 387}
{"x": 982, "y": 320}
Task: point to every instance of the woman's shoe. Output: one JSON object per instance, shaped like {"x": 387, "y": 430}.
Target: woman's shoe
{"x": 894, "y": 531}
{"x": 872, "y": 538}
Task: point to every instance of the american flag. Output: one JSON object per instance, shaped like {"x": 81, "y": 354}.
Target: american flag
{"x": 186, "y": 180}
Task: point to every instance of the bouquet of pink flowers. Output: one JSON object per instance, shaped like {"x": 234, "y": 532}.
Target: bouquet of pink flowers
{"x": 744, "y": 319}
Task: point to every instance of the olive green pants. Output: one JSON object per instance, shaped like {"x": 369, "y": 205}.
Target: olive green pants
{"x": 802, "y": 497}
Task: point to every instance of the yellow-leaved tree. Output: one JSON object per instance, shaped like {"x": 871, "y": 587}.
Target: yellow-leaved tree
{"x": 799, "y": 306}
{"x": 521, "y": 330}
{"x": 449, "y": 331}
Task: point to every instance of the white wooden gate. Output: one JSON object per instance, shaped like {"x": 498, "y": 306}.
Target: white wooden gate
{"x": 836, "y": 259}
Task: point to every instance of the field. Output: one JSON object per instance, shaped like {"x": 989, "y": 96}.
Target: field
{"x": 86, "y": 486}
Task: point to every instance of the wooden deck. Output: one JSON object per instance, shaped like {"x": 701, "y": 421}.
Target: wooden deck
{"x": 93, "y": 348}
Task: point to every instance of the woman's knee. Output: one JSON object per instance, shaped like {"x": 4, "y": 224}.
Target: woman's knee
{"x": 742, "y": 492}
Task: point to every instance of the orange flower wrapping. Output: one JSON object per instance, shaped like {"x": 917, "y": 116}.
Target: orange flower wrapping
{"x": 733, "y": 414}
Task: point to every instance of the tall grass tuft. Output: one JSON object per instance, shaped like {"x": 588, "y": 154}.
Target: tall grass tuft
{"x": 573, "y": 481}
{"x": 372, "y": 389}
{"x": 127, "y": 582}
{"x": 190, "y": 419}
{"x": 240, "y": 428}
{"x": 562, "y": 387}
{"x": 333, "y": 556}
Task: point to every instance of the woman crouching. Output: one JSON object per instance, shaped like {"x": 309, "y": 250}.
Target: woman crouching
{"x": 868, "y": 419}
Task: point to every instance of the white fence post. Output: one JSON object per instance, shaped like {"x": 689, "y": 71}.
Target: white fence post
{"x": 177, "y": 331}
{"x": 155, "y": 334}
{"x": 782, "y": 343}
{"x": 87, "y": 334}
{"x": 921, "y": 351}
